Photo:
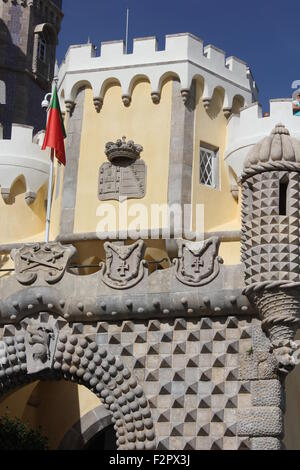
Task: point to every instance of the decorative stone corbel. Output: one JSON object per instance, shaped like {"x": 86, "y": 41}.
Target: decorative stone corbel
{"x": 155, "y": 97}
{"x": 185, "y": 93}
{"x": 70, "y": 105}
{"x": 30, "y": 197}
{"x": 280, "y": 310}
{"x": 5, "y": 193}
{"x": 98, "y": 103}
{"x": 126, "y": 100}
{"x": 227, "y": 112}
{"x": 206, "y": 103}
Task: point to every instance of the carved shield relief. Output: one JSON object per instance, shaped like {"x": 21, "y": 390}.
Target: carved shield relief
{"x": 124, "y": 266}
{"x": 198, "y": 263}
{"x": 49, "y": 260}
{"x": 126, "y": 180}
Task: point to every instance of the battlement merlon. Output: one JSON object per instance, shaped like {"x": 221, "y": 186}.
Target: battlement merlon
{"x": 21, "y": 156}
{"x": 184, "y": 56}
{"x": 248, "y": 128}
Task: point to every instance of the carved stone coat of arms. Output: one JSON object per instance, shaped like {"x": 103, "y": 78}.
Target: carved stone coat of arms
{"x": 49, "y": 260}
{"x": 198, "y": 263}
{"x": 124, "y": 267}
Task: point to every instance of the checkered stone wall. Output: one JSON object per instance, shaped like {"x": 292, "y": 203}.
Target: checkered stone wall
{"x": 211, "y": 383}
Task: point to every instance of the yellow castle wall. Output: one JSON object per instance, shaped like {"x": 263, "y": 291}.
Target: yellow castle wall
{"x": 145, "y": 123}
{"x": 52, "y": 407}
{"x": 221, "y": 211}
{"x": 20, "y": 221}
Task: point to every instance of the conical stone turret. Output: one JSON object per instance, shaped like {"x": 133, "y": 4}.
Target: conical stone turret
{"x": 270, "y": 238}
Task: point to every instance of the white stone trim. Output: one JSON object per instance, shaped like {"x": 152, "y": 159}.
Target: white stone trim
{"x": 20, "y": 156}
{"x": 184, "y": 57}
{"x": 244, "y": 131}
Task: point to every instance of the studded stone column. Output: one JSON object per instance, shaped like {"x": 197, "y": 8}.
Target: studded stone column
{"x": 270, "y": 254}
{"x": 270, "y": 238}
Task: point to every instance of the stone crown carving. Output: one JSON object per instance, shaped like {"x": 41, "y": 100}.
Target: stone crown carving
{"x": 123, "y": 151}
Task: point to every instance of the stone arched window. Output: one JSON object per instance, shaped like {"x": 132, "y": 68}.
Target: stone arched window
{"x": 45, "y": 40}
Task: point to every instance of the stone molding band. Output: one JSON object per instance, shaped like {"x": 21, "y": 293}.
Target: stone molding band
{"x": 268, "y": 166}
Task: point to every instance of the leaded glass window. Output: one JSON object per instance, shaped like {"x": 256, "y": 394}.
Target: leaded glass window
{"x": 209, "y": 167}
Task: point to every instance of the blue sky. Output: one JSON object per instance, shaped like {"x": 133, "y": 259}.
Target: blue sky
{"x": 263, "y": 33}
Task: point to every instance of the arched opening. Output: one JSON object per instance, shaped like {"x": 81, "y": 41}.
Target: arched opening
{"x": 44, "y": 347}
{"x": 45, "y": 40}
{"x": 103, "y": 440}
{"x": 68, "y": 415}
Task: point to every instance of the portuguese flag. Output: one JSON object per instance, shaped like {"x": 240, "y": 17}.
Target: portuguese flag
{"x": 55, "y": 132}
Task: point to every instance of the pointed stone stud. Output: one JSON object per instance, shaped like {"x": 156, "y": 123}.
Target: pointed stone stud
{"x": 206, "y": 103}
{"x": 70, "y": 105}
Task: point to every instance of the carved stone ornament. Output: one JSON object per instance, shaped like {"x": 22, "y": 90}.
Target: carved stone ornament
{"x": 125, "y": 266}
{"x": 125, "y": 174}
{"x": 40, "y": 341}
{"x": 126, "y": 180}
{"x": 198, "y": 263}
{"x": 48, "y": 260}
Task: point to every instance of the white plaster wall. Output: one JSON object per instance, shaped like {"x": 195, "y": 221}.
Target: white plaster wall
{"x": 245, "y": 130}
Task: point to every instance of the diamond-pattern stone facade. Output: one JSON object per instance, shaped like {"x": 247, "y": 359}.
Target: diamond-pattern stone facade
{"x": 270, "y": 241}
{"x": 207, "y": 383}
{"x": 200, "y": 377}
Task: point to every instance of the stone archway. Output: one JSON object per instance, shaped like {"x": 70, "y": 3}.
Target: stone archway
{"x": 46, "y": 347}
{"x": 86, "y": 428}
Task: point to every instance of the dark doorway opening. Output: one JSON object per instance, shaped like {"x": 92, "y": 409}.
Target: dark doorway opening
{"x": 103, "y": 440}
{"x": 283, "y": 195}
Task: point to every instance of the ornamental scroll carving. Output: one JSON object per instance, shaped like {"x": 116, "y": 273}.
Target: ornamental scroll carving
{"x": 47, "y": 261}
{"x": 198, "y": 263}
{"x": 125, "y": 266}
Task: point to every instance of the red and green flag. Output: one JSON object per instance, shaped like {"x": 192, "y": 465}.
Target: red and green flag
{"x": 55, "y": 131}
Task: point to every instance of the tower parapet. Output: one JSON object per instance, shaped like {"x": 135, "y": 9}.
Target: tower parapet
{"x": 184, "y": 56}
{"x": 21, "y": 156}
{"x": 270, "y": 238}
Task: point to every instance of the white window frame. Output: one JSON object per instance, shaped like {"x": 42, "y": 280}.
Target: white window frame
{"x": 42, "y": 56}
{"x": 214, "y": 153}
